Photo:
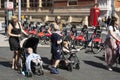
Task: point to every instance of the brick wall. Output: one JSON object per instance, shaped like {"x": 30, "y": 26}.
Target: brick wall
{"x": 60, "y": 3}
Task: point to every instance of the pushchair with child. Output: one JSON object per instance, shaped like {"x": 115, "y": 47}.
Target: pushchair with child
{"x": 118, "y": 53}
{"x": 69, "y": 57}
{"x": 35, "y": 68}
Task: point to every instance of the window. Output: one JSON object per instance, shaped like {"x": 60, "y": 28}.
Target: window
{"x": 34, "y": 3}
{"x": 72, "y": 2}
{"x": 47, "y": 3}
{"x": 23, "y": 3}
{"x": 2, "y": 5}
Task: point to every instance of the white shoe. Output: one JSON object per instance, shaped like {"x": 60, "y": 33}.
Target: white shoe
{"x": 110, "y": 69}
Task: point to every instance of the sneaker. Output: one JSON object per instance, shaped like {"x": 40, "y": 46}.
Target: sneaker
{"x": 54, "y": 71}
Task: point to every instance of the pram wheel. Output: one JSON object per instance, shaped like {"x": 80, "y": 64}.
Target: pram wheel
{"x": 70, "y": 67}
{"x": 77, "y": 66}
{"x": 29, "y": 74}
{"x": 39, "y": 70}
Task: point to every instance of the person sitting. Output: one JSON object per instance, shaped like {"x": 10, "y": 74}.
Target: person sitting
{"x": 67, "y": 51}
{"x": 35, "y": 58}
{"x": 66, "y": 48}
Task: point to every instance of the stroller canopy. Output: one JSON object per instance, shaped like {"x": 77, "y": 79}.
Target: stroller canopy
{"x": 30, "y": 42}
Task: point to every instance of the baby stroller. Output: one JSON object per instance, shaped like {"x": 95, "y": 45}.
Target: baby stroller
{"x": 118, "y": 53}
{"x": 69, "y": 57}
{"x": 31, "y": 42}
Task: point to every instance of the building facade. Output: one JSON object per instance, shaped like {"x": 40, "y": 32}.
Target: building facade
{"x": 50, "y": 8}
{"x": 109, "y": 7}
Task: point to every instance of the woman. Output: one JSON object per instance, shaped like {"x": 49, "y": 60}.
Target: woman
{"x": 14, "y": 32}
{"x": 110, "y": 43}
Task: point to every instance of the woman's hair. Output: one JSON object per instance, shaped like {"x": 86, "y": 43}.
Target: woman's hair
{"x": 85, "y": 26}
{"x": 12, "y": 20}
{"x": 112, "y": 22}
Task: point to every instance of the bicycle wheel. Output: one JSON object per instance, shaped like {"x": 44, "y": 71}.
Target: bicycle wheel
{"x": 96, "y": 47}
{"x": 80, "y": 44}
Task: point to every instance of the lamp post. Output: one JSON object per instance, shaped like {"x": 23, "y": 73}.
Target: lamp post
{"x": 19, "y": 10}
{"x": 113, "y": 8}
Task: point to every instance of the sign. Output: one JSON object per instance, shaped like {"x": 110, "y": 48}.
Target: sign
{"x": 8, "y": 5}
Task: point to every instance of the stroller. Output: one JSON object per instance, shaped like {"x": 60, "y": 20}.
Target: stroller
{"x": 69, "y": 57}
{"x": 118, "y": 53}
{"x": 31, "y": 42}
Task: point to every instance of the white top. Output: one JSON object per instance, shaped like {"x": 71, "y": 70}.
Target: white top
{"x": 115, "y": 33}
{"x": 29, "y": 58}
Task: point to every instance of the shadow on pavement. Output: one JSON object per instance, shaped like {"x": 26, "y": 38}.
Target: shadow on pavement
{"x": 101, "y": 58}
{"x": 88, "y": 51}
{"x": 5, "y": 63}
{"x": 46, "y": 60}
{"x": 95, "y": 64}
{"x": 46, "y": 63}
{"x": 116, "y": 69}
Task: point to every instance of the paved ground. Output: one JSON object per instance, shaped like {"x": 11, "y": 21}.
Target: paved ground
{"x": 92, "y": 66}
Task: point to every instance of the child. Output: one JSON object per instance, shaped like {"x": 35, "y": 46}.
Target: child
{"x": 67, "y": 51}
{"x": 32, "y": 57}
{"x": 66, "y": 48}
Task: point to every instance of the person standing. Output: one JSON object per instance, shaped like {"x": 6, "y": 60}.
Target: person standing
{"x": 108, "y": 21}
{"x": 14, "y": 32}
{"x": 110, "y": 43}
{"x": 55, "y": 49}
{"x": 57, "y": 22}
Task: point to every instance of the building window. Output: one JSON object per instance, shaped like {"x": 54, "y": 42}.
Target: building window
{"x": 34, "y": 3}
{"x": 72, "y": 2}
{"x": 2, "y": 5}
{"x": 23, "y": 3}
{"x": 47, "y": 3}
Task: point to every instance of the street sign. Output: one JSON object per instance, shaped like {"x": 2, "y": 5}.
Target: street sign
{"x": 8, "y": 5}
